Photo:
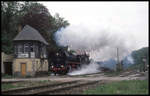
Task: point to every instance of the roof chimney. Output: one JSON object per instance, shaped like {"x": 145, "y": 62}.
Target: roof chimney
{"x": 19, "y": 28}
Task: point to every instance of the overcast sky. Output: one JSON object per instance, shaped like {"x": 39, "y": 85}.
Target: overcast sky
{"x": 129, "y": 19}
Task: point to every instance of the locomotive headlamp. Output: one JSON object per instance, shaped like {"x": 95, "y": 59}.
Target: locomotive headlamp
{"x": 62, "y": 65}
{"x": 52, "y": 66}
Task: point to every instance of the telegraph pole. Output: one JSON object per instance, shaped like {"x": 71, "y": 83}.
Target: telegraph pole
{"x": 118, "y": 55}
{"x": 118, "y": 66}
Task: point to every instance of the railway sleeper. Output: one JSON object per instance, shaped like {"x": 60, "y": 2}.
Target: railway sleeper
{"x": 62, "y": 88}
{"x": 30, "y": 90}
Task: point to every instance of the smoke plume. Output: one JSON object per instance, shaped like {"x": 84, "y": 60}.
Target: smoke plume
{"x": 100, "y": 43}
{"x": 93, "y": 67}
{"x": 130, "y": 59}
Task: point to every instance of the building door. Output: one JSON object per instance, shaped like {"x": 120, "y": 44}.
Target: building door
{"x": 23, "y": 69}
{"x": 8, "y": 68}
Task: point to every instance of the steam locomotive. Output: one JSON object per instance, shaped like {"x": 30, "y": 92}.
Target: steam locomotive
{"x": 64, "y": 61}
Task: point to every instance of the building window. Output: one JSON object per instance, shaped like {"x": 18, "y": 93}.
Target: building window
{"x": 16, "y": 49}
{"x": 20, "y": 48}
{"x": 31, "y": 49}
{"x": 44, "y": 51}
{"x": 26, "y": 47}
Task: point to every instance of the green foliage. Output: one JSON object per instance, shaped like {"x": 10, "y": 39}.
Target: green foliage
{"x": 7, "y": 86}
{"x": 121, "y": 87}
{"x": 44, "y": 81}
{"x": 9, "y": 23}
{"x": 11, "y": 12}
{"x": 138, "y": 57}
{"x": 28, "y": 76}
{"x": 7, "y": 76}
{"x": 39, "y": 18}
{"x": 14, "y": 14}
{"x": 113, "y": 73}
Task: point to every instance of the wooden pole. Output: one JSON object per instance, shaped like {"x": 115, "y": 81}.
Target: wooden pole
{"x": 118, "y": 63}
{"x": 118, "y": 55}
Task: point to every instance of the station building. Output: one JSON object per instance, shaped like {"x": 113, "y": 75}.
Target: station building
{"x": 30, "y": 54}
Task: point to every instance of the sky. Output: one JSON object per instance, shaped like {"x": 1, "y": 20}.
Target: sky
{"x": 126, "y": 21}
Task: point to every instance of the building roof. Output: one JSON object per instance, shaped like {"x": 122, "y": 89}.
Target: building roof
{"x": 29, "y": 33}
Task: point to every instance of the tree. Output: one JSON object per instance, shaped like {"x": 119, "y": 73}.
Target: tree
{"x": 9, "y": 24}
{"x": 34, "y": 14}
{"x": 138, "y": 56}
{"x": 39, "y": 18}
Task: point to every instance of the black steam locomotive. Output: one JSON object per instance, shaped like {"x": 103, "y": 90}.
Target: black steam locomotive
{"x": 64, "y": 61}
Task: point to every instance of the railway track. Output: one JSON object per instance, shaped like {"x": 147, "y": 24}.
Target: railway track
{"x": 10, "y": 82}
{"x": 48, "y": 89}
{"x": 69, "y": 87}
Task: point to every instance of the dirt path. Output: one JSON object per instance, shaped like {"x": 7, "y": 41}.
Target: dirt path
{"x": 90, "y": 77}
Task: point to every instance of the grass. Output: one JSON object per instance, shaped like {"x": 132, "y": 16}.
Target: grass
{"x": 139, "y": 67}
{"x": 114, "y": 73}
{"x": 44, "y": 81}
{"x": 13, "y": 85}
{"x": 121, "y": 87}
{"x": 7, "y": 76}
{"x": 25, "y": 84}
{"x": 8, "y": 86}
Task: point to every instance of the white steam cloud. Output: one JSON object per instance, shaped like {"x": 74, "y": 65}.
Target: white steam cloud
{"x": 101, "y": 43}
{"x": 101, "y": 28}
{"x": 130, "y": 59}
{"x": 91, "y": 68}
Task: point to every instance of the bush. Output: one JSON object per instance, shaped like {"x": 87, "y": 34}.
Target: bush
{"x": 7, "y": 76}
